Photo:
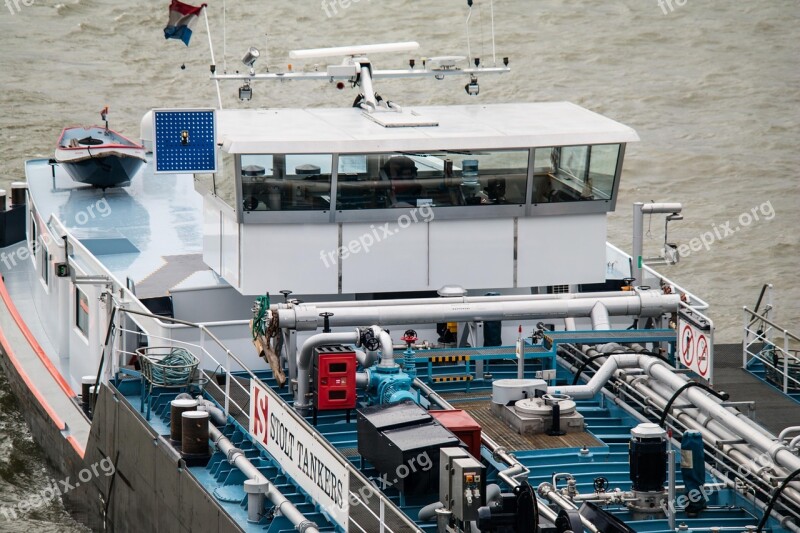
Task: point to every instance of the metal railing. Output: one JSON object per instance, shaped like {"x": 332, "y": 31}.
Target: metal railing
{"x": 369, "y": 505}
{"x": 619, "y": 259}
{"x": 781, "y": 363}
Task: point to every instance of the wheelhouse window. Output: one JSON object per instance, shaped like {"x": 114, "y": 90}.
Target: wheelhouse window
{"x": 291, "y": 182}
{"x": 82, "y": 311}
{"x": 575, "y": 173}
{"x": 442, "y": 178}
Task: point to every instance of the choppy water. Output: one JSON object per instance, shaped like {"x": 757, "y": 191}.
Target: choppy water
{"x": 712, "y": 87}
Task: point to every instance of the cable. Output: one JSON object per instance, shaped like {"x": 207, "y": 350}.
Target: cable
{"x": 774, "y": 498}
{"x": 665, "y": 412}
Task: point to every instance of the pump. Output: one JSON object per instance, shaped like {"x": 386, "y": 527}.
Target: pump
{"x": 648, "y": 467}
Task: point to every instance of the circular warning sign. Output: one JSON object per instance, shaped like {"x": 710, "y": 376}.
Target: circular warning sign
{"x": 687, "y": 345}
{"x": 702, "y": 356}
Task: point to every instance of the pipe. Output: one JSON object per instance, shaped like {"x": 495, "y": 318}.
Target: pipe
{"x": 428, "y": 513}
{"x": 660, "y": 372}
{"x": 600, "y": 320}
{"x": 788, "y": 431}
{"x": 671, "y": 487}
{"x": 453, "y": 299}
{"x": 569, "y": 324}
{"x": 307, "y": 353}
{"x": 546, "y": 490}
{"x": 600, "y": 378}
{"x": 237, "y": 458}
{"x": 641, "y": 303}
{"x": 366, "y": 358}
{"x": 387, "y": 348}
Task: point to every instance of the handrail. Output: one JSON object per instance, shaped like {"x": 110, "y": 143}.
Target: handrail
{"x": 352, "y": 470}
{"x": 769, "y": 322}
{"x": 697, "y": 302}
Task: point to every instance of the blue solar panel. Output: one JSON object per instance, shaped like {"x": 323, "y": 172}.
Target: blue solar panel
{"x": 185, "y": 141}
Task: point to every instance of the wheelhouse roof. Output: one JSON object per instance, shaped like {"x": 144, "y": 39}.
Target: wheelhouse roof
{"x": 460, "y": 127}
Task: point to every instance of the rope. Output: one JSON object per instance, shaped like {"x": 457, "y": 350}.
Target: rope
{"x": 174, "y": 369}
{"x": 260, "y": 316}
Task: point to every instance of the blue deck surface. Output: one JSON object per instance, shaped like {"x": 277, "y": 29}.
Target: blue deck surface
{"x": 605, "y": 421}
{"x": 129, "y": 229}
{"x": 758, "y": 370}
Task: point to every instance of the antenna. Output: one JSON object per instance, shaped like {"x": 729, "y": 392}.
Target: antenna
{"x": 469, "y": 16}
{"x": 494, "y": 54}
{"x": 358, "y": 50}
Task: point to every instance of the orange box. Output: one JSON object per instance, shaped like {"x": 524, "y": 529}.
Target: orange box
{"x": 463, "y": 426}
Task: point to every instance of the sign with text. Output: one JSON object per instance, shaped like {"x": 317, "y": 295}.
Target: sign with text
{"x": 300, "y": 454}
{"x": 696, "y": 343}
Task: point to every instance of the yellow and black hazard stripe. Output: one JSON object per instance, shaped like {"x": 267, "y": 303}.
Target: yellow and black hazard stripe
{"x": 449, "y": 379}
{"x": 449, "y": 358}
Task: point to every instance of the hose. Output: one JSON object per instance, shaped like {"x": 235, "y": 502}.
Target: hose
{"x": 665, "y": 412}
{"x": 774, "y": 498}
{"x": 259, "y": 326}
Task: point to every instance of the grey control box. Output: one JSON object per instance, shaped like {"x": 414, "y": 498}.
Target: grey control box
{"x": 462, "y": 483}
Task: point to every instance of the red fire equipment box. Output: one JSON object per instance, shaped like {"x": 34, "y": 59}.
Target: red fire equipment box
{"x": 335, "y": 378}
{"x": 463, "y": 426}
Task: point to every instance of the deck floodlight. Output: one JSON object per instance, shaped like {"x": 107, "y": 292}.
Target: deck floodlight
{"x": 472, "y": 87}
{"x": 250, "y": 57}
{"x": 245, "y": 92}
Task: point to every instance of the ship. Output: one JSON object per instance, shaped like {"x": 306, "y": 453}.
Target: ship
{"x": 378, "y": 318}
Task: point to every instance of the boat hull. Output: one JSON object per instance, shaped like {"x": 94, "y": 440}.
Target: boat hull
{"x": 99, "y": 156}
{"x": 103, "y": 172}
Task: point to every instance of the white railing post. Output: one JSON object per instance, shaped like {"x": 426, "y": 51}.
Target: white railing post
{"x": 382, "y": 522}
{"x": 227, "y": 382}
{"x": 745, "y": 339}
{"x": 785, "y": 362}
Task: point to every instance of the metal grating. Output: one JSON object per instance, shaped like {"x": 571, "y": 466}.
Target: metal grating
{"x": 508, "y": 437}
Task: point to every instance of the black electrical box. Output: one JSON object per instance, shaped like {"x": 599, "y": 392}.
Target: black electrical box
{"x": 402, "y": 442}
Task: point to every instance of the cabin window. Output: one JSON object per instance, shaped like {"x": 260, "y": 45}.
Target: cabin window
{"x": 575, "y": 173}
{"x": 45, "y": 264}
{"x": 291, "y": 182}
{"x": 443, "y": 178}
{"x": 82, "y": 311}
{"x": 224, "y": 181}
{"x": 34, "y": 235}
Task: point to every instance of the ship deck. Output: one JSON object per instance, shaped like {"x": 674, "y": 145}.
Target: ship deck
{"x": 150, "y": 232}
{"x": 606, "y": 438}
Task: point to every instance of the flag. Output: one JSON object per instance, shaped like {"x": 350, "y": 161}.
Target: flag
{"x": 181, "y": 19}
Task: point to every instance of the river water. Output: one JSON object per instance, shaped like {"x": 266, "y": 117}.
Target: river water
{"x": 712, "y": 87}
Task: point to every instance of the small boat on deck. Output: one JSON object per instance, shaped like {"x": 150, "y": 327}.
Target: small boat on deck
{"x": 99, "y": 156}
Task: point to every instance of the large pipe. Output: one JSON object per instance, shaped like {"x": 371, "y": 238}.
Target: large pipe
{"x": 641, "y": 303}
{"x": 237, "y": 458}
{"x": 452, "y": 299}
{"x": 661, "y": 373}
{"x": 387, "y": 349}
{"x": 600, "y": 378}
{"x": 600, "y": 320}
{"x": 307, "y": 353}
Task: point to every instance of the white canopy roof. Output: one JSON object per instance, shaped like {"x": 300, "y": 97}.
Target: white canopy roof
{"x": 460, "y": 127}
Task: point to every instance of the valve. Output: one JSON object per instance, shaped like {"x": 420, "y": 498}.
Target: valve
{"x": 409, "y": 337}
{"x": 409, "y": 363}
{"x": 286, "y": 294}
{"x": 326, "y": 317}
{"x": 369, "y": 340}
